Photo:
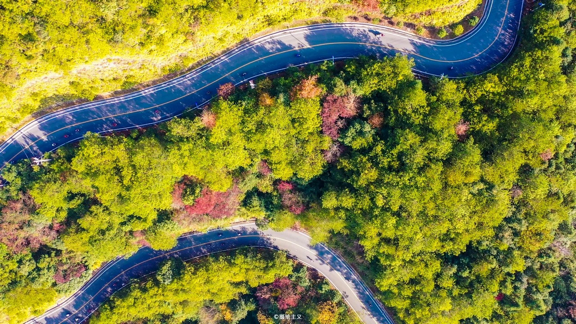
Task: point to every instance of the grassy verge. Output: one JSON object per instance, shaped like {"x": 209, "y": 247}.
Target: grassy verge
{"x": 446, "y": 16}
{"x": 456, "y": 19}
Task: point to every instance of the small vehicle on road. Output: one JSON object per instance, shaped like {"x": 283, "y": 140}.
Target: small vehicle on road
{"x": 298, "y": 55}
{"x": 66, "y": 135}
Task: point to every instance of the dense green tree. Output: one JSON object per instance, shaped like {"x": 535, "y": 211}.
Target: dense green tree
{"x": 101, "y": 234}
{"x": 163, "y": 235}
{"x": 169, "y": 270}
{"x": 129, "y": 177}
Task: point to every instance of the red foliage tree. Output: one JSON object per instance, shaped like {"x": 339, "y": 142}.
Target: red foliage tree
{"x": 216, "y": 204}
{"x": 68, "y": 271}
{"x": 332, "y": 154}
{"x": 177, "y": 194}
{"x": 462, "y": 130}
{"x": 547, "y": 155}
{"x": 368, "y": 5}
{"x": 335, "y": 109}
{"x": 290, "y": 293}
{"x": 226, "y": 90}
{"x": 265, "y": 100}
{"x": 293, "y": 202}
{"x": 499, "y": 297}
{"x": 516, "y": 191}
{"x": 264, "y": 168}
{"x": 140, "y": 237}
{"x": 307, "y": 89}
{"x": 264, "y": 296}
{"x": 376, "y": 120}
{"x": 284, "y": 186}
{"x": 291, "y": 199}
{"x": 179, "y": 191}
{"x": 572, "y": 309}
{"x": 208, "y": 118}
{"x": 19, "y": 232}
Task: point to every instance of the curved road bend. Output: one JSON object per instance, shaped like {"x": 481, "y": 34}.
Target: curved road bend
{"x": 118, "y": 273}
{"x": 476, "y": 52}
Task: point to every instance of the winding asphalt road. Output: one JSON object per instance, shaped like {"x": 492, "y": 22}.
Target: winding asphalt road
{"x": 474, "y": 53}
{"x": 115, "y": 275}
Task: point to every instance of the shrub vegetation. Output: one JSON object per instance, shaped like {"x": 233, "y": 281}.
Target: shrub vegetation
{"x": 458, "y": 30}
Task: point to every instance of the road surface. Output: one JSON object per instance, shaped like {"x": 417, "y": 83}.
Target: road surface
{"x": 476, "y": 52}
{"x": 113, "y": 276}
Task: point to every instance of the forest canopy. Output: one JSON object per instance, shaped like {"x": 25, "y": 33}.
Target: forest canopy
{"x": 460, "y": 194}
{"x": 247, "y": 285}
